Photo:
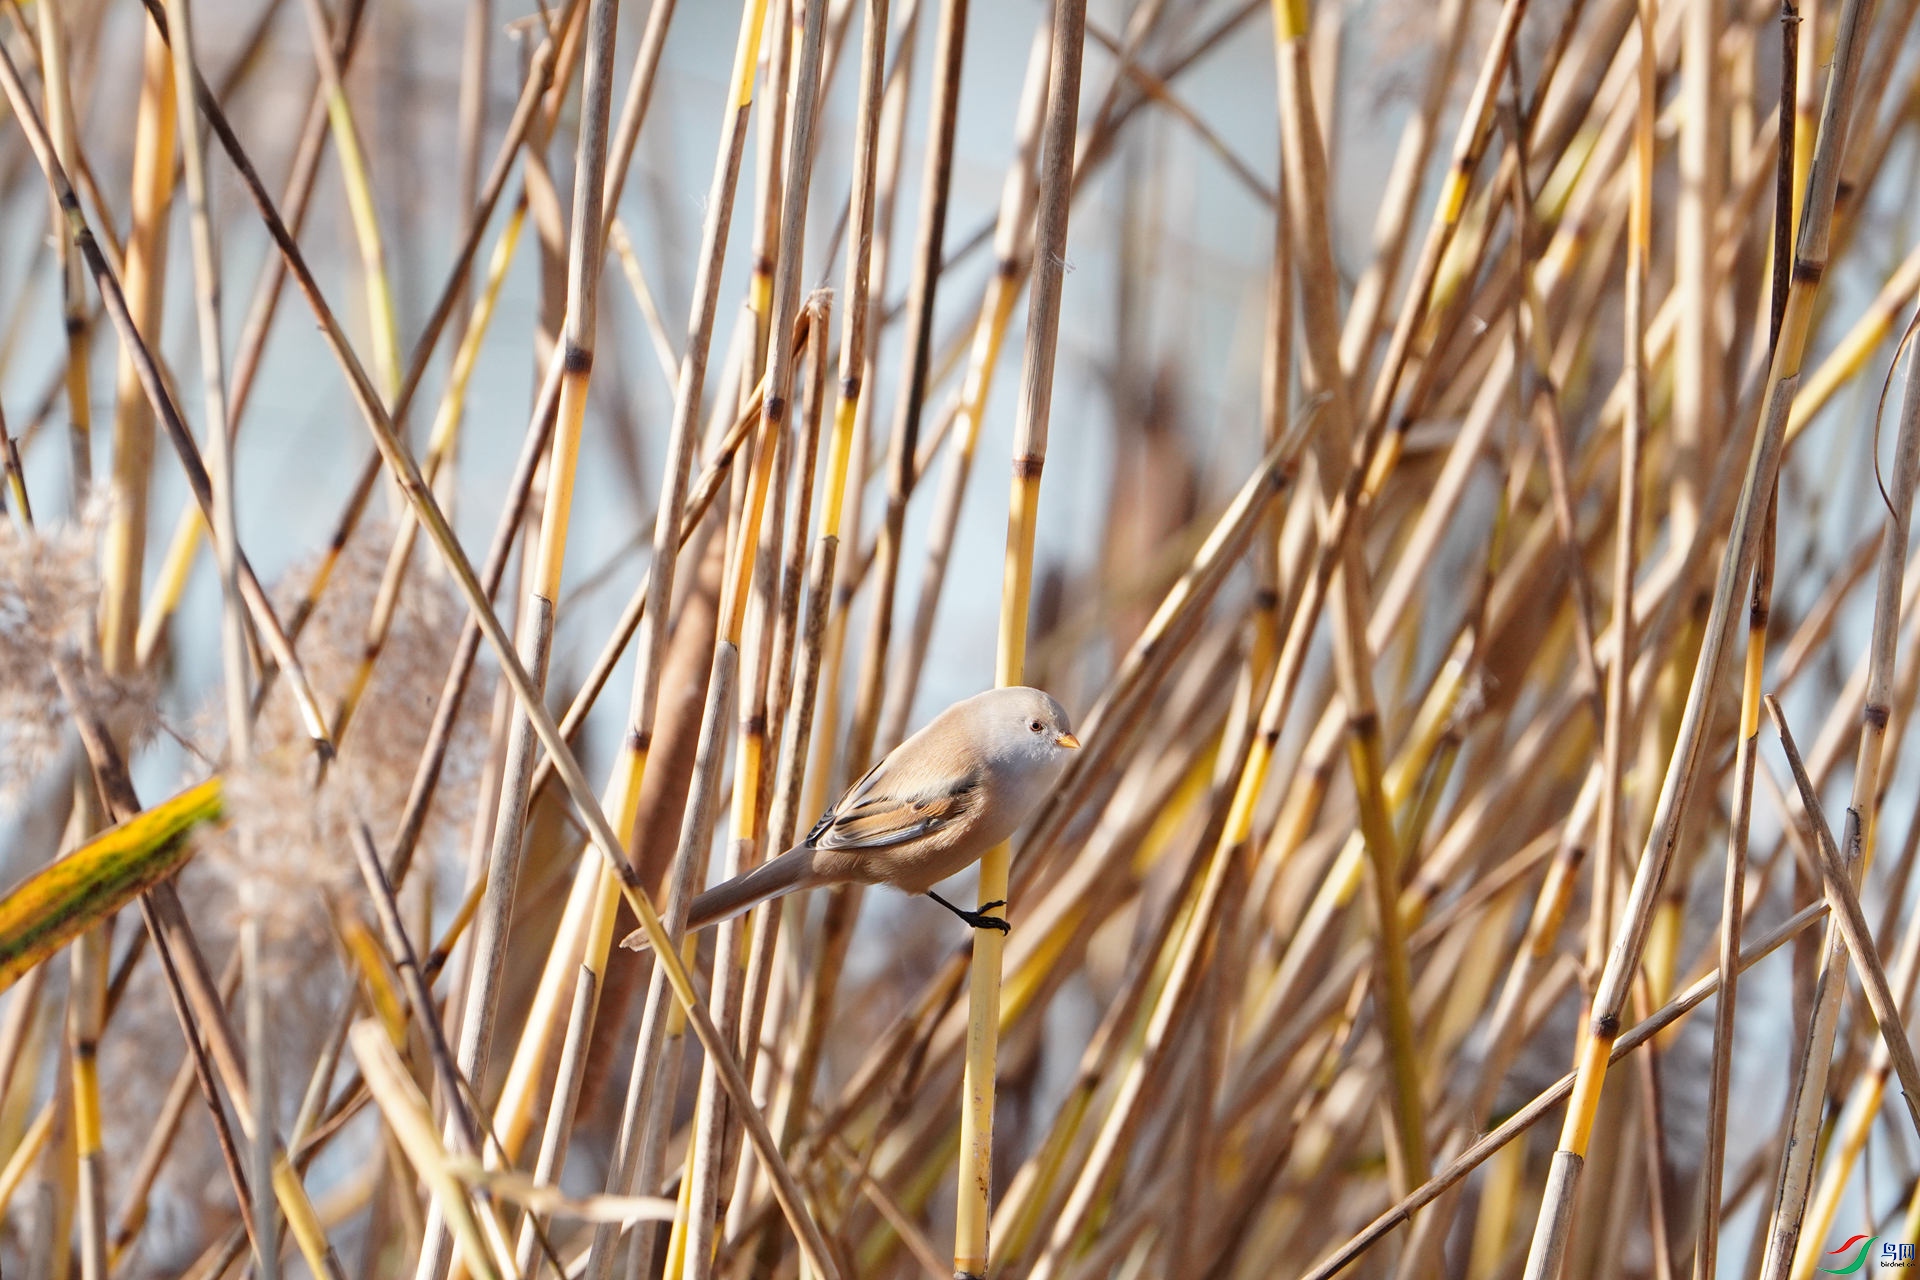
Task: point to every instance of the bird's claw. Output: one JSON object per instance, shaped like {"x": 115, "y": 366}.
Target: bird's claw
{"x": 981, "y": 920}
{"x": 978, "y": 919}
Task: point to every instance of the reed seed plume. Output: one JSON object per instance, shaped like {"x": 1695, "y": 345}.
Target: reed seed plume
{"x": 49, "y": 600}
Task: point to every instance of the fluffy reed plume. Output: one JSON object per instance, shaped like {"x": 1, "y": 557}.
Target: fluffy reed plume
{"x": 49, "y": 598}
{"x": 1432, "y": 437}
{"x": 288, "y": 841}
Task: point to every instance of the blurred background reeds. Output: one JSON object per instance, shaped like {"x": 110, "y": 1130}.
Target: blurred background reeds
{"x": 477, "y": 473}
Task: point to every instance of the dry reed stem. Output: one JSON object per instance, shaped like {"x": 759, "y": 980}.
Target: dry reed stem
{"x": 532, "y": 1045}
{"x": 198, "y": 1002}
{"x": 1525, "y": 1117}
{"x": 234, "y": 646}
{"x": 1552, "y": 1228}
{"x": 973, "y": 1214}
{"x": 876, "y": 184}
{"x": 295, "y": 199}
{"x": 1854, "y": 1124}
{"x": 904, "y": 439}
{"x": 366, "y": 222}
{"x": 524, "y": 692}
{"x": 441, "y": 441}
{"x": 58, "y": 98}
{"x": 783, "y": 811}
{"x": 624, "y": 789}
{"x": 1784, "y": 1239}
{"x": 541, "y": 75}
{"x": 586, "y": 251}
{"x": 1017, "y": 196}
{"x": 1844, "y": 902}
{"x": 1796, "y": 1165}
{"x": 410, "y": 1119}
{"x": 133, "y": 416}
{"x": 751, "y": 793}
{"x": 1733, "y": 907}
{"x": 159, "y": 400}
{"x": 1306, "y": 183}
{"x": 575, "y": 359}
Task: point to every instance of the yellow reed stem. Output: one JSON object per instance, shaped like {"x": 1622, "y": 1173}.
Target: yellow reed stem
{"x": 1850, "y": 355}
{"x": 440, "y": 445}
{"x": 86, "y": 1013}
{"x": 357, "y": 185}
{"x": 1493, "y": 1226}
{"x": 973, "y": 1211}
{"x": 676, "y": 1259}
{"x": 973, "y": 1216}
{"x": 596, "y": 894}
{"x": 22, "y": 1159}
{"x": 143, "y": 283}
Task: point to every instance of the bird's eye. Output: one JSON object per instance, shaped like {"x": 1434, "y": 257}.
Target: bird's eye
{"x": 1036, "y": 726}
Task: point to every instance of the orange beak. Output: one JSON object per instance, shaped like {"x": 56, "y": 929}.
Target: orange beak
{"x": 1068, "y": 741}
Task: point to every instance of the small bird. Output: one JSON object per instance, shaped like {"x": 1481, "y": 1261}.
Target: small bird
{"x": 937, "y": 802}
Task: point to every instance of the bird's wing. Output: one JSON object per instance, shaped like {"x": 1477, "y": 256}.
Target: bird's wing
{"x": 881, "y": 818}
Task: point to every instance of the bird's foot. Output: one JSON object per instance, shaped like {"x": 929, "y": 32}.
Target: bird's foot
{"x": 978, "y": 919}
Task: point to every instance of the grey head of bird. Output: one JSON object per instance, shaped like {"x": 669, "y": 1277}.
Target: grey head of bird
{"x": 1043, "y": 736}
{"x": 1025, "y": 738}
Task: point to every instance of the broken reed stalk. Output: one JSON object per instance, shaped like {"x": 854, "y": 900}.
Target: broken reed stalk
{"x": 974, "y": 1211}
{"x": 1555, "y": 1220}
{"x": 1843, "y": 902}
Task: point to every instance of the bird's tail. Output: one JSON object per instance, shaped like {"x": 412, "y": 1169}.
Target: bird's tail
{"x": 773, "y": 878}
